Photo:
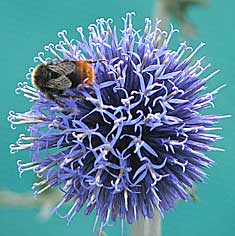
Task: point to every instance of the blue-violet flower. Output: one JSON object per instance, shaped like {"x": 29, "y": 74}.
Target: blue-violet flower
{"x": 132, "y": 142}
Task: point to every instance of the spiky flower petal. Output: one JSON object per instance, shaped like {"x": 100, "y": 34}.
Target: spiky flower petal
{"x": 132, "y": 142}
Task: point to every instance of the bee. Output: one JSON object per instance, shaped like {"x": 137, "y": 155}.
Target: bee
{"x": 53, "y": 79}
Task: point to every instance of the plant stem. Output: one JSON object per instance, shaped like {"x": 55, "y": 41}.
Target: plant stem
{"x": 146, "y": 227}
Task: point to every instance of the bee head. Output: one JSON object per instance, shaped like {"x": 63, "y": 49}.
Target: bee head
{"x": 40, "y": 75}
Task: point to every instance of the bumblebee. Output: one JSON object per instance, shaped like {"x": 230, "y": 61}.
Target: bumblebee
{"x": 53, "y": 79}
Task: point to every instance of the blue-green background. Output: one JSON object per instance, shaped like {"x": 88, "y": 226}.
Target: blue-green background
{"x": 26, "y": 26}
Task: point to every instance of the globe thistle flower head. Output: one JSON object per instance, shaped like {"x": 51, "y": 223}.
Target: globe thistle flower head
{"x": 132, "y": 142}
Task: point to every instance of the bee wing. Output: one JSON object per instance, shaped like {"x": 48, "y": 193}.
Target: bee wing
{"x": 61, "y": 83}
{"x": 63, "y": 68}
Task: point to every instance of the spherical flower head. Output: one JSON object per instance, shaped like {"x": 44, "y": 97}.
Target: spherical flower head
{"x": 134, "y": 140}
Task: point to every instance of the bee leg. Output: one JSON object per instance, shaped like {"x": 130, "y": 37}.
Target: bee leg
{"x": 50, "y": 96}
{"x": 72, "y": 97}
{"x": 95, "y": 61}
{"x": 54, "y": 99}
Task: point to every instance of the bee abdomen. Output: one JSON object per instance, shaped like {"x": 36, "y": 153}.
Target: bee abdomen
{"x": 85, "y": 72}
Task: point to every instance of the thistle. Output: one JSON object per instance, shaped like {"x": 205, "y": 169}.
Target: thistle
{"x": 132, "y": 142}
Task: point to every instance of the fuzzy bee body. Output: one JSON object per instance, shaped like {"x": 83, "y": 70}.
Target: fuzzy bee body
{"x": 53, "y": 79}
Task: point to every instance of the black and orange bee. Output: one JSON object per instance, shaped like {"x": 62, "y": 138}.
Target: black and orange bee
{"x": 53, "y": 79}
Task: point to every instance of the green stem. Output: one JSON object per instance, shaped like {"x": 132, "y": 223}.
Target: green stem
{"x": 146, "y": 227}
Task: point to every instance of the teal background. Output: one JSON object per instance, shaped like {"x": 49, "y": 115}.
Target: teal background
{"x": 26, "y": 26}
